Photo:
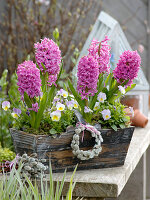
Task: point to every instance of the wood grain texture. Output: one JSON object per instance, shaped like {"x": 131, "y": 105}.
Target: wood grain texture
{"x": 59, "y": 152}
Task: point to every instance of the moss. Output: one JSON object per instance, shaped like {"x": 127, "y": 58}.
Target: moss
{"x": 6, "y": 154}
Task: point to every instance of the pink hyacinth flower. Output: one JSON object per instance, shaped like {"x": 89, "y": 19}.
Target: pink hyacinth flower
{"x": 28, "y": 79}
{"x": 48, "y": 53}
{"x": 88, "y": 73}
{"x": 101, "y": 52}
{"x": 127, "y": 67}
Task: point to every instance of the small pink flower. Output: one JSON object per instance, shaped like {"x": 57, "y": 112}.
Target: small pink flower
{"x": 34, "y": 107}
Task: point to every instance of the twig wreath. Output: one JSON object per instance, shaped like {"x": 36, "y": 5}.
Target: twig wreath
{"x": 86, "y": 155}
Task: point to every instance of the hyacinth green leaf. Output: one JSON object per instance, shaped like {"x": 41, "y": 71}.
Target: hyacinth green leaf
{"x": 43, "y": 66}
{"x": 43, "y": 80}
{"x": 112, "y": 83}
{"x": 51, "y": 91}
{"x": 108, "y": 79}
{"x": 99, "y": 88}
{"x": 61, "y": 69}
{"x": 119, "y": 94}
{"x": 130, "y": 87}
{"x": 27, "y": 100}
{"x": 65, "y": 87}
{"x": 29, "y": 104}
{"x": 10, "y": 97}
{"x": 41, "y": 110}
{"x": 76, "y": 95}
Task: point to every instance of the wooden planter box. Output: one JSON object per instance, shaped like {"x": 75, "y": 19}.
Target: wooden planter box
{"x": 59, "y": 152}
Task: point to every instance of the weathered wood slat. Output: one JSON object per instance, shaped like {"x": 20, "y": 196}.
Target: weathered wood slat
{"x": 59, "y": 152}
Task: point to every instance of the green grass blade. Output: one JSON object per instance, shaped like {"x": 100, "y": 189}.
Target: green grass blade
{"x": 71, "y": 186}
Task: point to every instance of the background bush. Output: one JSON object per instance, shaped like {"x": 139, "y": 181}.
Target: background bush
{"x": 27, "y": 21}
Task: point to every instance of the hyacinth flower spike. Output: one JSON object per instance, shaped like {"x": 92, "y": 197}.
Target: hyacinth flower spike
{"x": 124, "y": 74}
{"x": 101, "y": 52}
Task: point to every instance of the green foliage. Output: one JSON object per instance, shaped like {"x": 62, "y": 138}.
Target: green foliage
{"x": 3, "y": 83}
{"x": 51, "y": 127}
{"x": 118, "y": 116}
{"x": 56, "y": 36}
{"x": 5, "y": 117}
{"x": 6, "y": 154}
{"x": 75, "y": 56}
{"x": 109, "y": 87}
{"x": 77, "y": 97}
{"x": 13, "y": 187}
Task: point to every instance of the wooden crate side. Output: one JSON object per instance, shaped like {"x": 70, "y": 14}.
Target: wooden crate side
{"x": 58, "y": 150}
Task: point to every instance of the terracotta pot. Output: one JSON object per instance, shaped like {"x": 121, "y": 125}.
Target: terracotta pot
{"x": 131, "y": 101}
{"x": 139, "y": 119}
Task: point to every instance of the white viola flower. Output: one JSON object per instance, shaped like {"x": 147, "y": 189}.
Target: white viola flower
{"x": 6, "y": 105}
{"x": 106, "y": 114}
{"x": 101, "y": 97}
{"x": 55, "y": 115}
{"x": 75, "y": 104}
{"x": 96, "y": 106}
{"x": 60, "y": 106}
{"x": 69, "y": 105}
{"x": 59, "y": 92}
{"x": 72, "y": 97}
{"x": 55, "y": 100}
{"x": 87, "y": 109}
{"x": 16, "y": 113}
{"x": 121, "y": 89}
{"x": 64, "y": 94}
